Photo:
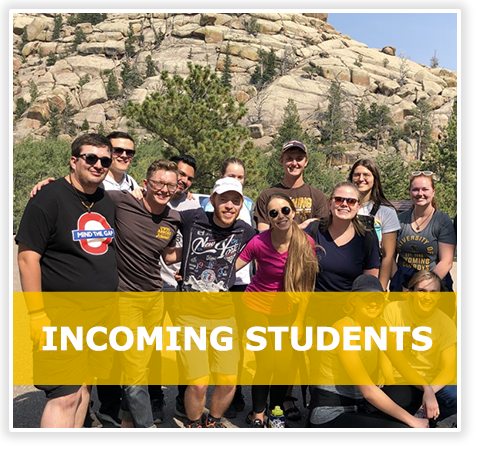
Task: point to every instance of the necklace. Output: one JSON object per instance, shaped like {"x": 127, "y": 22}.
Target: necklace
{"x": 418, "y": 226}
{"x": 88, "y": 207}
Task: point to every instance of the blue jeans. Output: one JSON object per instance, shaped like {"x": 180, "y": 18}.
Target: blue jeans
{"x": 136, "y": 311}
{"x": 136, "y": 399}
{"x": 447, "y": 400}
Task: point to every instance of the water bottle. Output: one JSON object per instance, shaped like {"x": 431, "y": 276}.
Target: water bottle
{"x": 276, "y": 419}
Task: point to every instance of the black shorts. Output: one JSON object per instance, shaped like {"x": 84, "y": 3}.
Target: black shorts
{"x": 53, "y": 391}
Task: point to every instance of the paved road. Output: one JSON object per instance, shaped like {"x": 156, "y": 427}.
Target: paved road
{"x": 28, "y": 402}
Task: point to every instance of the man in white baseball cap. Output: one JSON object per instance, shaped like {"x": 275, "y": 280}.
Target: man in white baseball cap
{"x": 227, "y": 200}
{"x": 212, "y": 241}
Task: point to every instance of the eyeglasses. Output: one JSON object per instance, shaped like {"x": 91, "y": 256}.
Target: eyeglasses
{"x": 426, "y": 173}
{"x": 119, "y": 151}
{"x": 349, "y": 200}
{"x": 91, "y": 159}
{"x": 158, "y": 184}
{"x": 274, "y": 213}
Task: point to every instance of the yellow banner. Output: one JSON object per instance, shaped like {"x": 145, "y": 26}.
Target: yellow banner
{"x": 244, "y": 338}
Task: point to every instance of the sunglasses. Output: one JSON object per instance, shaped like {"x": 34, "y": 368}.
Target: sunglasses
{"x": 119, "y": 151}
{"x": 349, "y": 200}
{"x": 426, "y": 173}
{"x": 91, "y": 159}
{"x": 274, "y": 213}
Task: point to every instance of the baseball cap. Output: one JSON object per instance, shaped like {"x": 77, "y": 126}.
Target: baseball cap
{"x": 367, "y": 283}
{"x": 227, "y": 184}
{"x": 294, "y": 144}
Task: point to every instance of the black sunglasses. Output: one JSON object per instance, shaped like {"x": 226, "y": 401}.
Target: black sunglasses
{"x": 274, "y": 213}
{"x": 119, "y": 151}
{"x": 91, "y": 159}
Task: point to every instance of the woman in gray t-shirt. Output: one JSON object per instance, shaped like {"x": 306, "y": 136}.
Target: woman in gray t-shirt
{"x": 427, "y": 239}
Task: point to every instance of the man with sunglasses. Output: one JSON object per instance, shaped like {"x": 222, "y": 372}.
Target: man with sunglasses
{"x": 309, "y": 202}
{"x": 144, "y": 229}
{"x": 55, "y": 254}
{"x": 123, "y": 153}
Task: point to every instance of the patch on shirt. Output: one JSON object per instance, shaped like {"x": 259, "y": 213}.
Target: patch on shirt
{"x": 164, "y": 233}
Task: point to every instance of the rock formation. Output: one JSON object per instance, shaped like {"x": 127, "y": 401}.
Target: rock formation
{"x": 299, "y": 40}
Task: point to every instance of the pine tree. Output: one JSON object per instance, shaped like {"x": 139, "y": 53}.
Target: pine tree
{"x": 33, "y": 91}
{"x": 265, "y": 70}
{"x": 130, "y": 76}
{"x": 195, "y": 115}
{"x": 226, "y": 75}
{"x": 54, "y": 127}
{"x": 420, "y": 126}
{"x": 57, "y": 26}
{"x": 150, "y": 66}
{"x": 85, "y": 125}
{"x": 112, "y": 89}
{"x": 380, "y": 121}
{"x": 442, "y": 160}
{"x": 362, "y": 120}
{"x": 332, "y": 123}
{"x": 67, "y": 124}
{"x": 434, "y": 63}
{"x": 130, "y": 42}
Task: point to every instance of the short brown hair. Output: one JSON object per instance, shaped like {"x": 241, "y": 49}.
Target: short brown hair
{"x": 161, "y": 164}
{"x": 95, "y": 140}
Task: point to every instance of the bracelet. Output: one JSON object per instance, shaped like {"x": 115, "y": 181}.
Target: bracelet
{"x": 36, "y": 311}
{"x": 38, "y": 317}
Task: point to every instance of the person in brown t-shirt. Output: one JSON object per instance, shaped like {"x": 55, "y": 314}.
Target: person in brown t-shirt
{"x": 309, "y": 202}
{"x": 145, "y": 229}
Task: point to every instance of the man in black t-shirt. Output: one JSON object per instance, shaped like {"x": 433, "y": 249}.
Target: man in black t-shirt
{"x": 65, "y": 245}
{"x": 211, "y": 244}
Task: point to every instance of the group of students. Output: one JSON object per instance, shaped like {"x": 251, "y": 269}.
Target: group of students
{"x": 296, "y": 240}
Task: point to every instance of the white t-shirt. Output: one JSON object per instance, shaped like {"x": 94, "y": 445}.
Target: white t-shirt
{"x": 385, "y": 220}
{"x": 168, "y": 271}
{"x": 127, "y": 183}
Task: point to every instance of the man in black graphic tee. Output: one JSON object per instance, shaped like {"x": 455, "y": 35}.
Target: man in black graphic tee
{"x": 211, "y": 244}
{"x": 65, "y": 245}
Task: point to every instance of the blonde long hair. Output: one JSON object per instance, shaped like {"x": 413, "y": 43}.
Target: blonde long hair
{"x": 302, "y": 264}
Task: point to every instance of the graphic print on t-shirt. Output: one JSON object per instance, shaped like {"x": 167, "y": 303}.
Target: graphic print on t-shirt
{"x": 415, "y": 252}
{"x": 210, "y": 260}
{"x": 94, "y": 233}
{"x": 303, "y": 207}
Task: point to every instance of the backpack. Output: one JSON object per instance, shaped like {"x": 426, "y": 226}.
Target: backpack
{"x": 368, "y": 221}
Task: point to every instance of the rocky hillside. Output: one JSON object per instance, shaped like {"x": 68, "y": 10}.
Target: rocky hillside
{"x": 309, "y": 51}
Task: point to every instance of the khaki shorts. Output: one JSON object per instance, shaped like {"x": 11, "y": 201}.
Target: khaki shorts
{"x": 200, "y": 363}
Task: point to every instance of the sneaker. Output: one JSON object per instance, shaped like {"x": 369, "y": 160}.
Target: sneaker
{"x": 194, "y": 424}
{"x": 214, "y": 423}
{"x": 157, "y": 408}
{"x": 180, "y": 407}
{"x": 450, "y": 422}
{"x": 111, "y": 417}
{"x": 91, "y": 420}
{"x": 256, "y": 423}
